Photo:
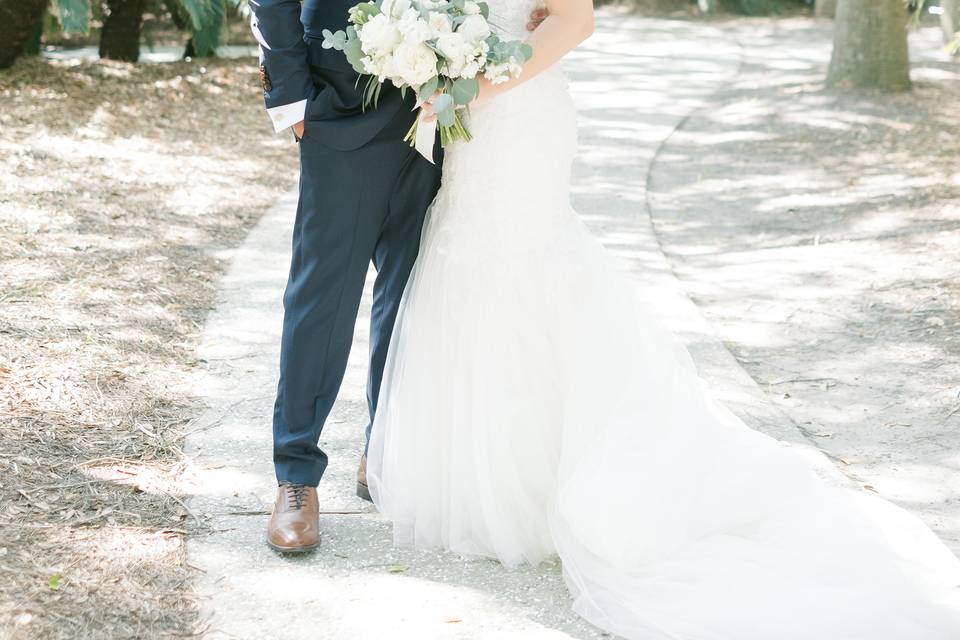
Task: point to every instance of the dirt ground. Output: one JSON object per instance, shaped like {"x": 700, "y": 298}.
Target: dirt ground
{"x": 819, "y": 232}
{"x": 118, "y": 184}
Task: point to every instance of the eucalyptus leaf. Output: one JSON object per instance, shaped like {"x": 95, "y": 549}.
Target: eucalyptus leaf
{"x": 336, "y": 40}
{"x": 354, "y": 52}
{"x": 445, "y": 109}
{"x": 428, "y": 88}
{"x": 464, "y": 90}
{"x": 362, "y": 12}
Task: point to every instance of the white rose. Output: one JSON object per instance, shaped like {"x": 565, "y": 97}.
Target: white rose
{"x": 474, "y": 29}
{"x": 383, "y": 67}
{"x": 414, "y": 29}
{"x": 440, "y": 24}
{"x": 370, "y": 66}
{"x": 453, "y": 48}
{"x": 471, "y": 8}
{"x": 415, "y": 63}
{"x": 388, "y": 68}
{"x": 378, "y": 36}
{"x": 395, "y": 8}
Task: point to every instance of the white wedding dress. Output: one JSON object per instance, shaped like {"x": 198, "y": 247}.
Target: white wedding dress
{"x": 531, "y": 407}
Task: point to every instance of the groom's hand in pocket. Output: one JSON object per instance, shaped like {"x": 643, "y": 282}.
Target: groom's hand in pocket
{"x": 536, "y": 18}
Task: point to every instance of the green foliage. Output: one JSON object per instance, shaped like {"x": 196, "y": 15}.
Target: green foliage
{"x": 754, "y": 7}
{"x": 464, "y": 90}
{"x": 74, "y": 15}
{"x": 445, "y": 109}
{"x": 429, "y": 88}
{"x": 207, "y": 18}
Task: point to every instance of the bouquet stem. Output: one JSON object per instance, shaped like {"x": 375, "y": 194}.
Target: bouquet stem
{"x": 448, "y": 134}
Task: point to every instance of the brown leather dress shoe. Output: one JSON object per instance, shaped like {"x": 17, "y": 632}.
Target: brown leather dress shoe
{"x": 363, "y": 490}
{"x": 294, "y": 525}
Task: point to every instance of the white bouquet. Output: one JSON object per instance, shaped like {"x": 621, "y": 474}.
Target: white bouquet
{"x": 430, "y": 47}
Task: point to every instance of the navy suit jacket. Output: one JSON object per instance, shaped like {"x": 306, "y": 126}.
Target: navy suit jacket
{"x": 297, "y": 67}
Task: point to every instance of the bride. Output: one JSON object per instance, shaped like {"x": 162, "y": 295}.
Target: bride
{"x": 532, "y": 407}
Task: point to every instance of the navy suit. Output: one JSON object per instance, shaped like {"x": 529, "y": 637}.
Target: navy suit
{"x": 363, "y": 196}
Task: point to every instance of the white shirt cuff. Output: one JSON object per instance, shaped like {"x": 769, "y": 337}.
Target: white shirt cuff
{"x": 287, "y": 115}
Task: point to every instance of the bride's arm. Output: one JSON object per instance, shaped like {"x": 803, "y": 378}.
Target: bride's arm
{"x": 569, "y": 23}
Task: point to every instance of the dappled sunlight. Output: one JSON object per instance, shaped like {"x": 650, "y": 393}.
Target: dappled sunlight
{"x": 142, "y": 478}
{"x": 815, "y": 230}
{"x": 116, "y": 200}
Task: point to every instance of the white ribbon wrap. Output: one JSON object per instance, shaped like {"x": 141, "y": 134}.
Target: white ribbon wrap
{"x": 426, "y": 136}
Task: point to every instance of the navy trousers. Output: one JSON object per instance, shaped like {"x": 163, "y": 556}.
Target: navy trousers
{"x": 356, "y": 206}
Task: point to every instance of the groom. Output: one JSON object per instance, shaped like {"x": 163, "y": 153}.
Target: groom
{"x": 363, "y": 196}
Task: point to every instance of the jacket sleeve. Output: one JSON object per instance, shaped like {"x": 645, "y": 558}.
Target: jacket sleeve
{"x": 284, "y": 71}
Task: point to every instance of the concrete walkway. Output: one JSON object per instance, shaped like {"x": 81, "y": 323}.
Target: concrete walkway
{"x": 634, "y": 82}
{"x": 819, "y": 233}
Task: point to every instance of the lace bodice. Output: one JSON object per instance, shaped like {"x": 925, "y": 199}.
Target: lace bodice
{"x": 509, "y": 18}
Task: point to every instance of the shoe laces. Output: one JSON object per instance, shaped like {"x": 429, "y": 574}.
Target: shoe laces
{"x": 295, "y": 494}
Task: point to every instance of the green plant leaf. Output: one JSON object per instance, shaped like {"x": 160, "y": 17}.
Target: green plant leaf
{"x": 446, "y": 110}
{"x": 428, "y": 88}
{"x": 336, "y": 40}
{"x": 354, "y": 52}
{"x": 464, "y": 90}
{"x": 74, "y": 15}
{"x": 54, "y": 582}
{"x": 362, "y": 12}
{"x": 207, "y": 19}
{"x": 198, "y": 11}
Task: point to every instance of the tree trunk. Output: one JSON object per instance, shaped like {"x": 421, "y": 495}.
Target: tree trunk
{"x": 120, "y": 35}
{"x": 950, "y": 19}
{"x": 826, "y": 8}
{"x": 870, "y": 46}
{"x": 18, "y": 22}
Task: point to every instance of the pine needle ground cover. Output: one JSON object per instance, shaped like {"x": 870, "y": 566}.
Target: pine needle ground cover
{"x": 119, "y": 184}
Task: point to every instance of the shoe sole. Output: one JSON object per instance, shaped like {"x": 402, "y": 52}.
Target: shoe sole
{"x": 293, "y": 550}
{"x": 363, "y": 491}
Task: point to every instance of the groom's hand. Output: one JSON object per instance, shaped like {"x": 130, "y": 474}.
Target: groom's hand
{"x": 298, "y": 129}
{"x": 536, "y": 18}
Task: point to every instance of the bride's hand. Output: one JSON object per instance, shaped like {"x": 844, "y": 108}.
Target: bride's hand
{"x": 426, "y": 109}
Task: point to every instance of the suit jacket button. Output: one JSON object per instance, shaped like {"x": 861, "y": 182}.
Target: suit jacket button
{"x": 265, "y": 79}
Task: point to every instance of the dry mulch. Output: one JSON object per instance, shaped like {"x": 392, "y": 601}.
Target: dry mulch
{"x": 118, "y": 184}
